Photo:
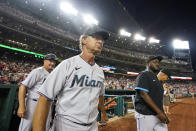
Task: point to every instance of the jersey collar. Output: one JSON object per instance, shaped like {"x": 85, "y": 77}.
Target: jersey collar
{"x": 87, "y": 62}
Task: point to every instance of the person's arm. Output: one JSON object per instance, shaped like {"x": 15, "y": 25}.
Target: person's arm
{"x": 168, "y": 92}
{"x": 161, "y": 115}
{"x": 29, "y": 82}
{"x": 21, "y": 98}
{"x": 48, "y": 91}
{"x": 41, "y": 114}
{"x": 104, "y": 116}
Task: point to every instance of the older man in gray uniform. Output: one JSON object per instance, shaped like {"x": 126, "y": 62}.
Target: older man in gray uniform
{"x": 27, "y": 94}
{"x": 78, "y": 83}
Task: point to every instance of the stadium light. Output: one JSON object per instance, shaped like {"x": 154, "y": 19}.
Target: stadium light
{"x": 88, "y": 19}
{"x": 181, "y": 78}
{"x": 153, "y": 40}
{"x": 68, "y": 8}
{"x": 125, "y": 33}
{"x": 133, "y": 73}
{"x": 179, "y": 44}
{"x": 139, "y": 37}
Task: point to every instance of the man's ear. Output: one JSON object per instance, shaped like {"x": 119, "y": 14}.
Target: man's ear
{"x": 84, "y": 40}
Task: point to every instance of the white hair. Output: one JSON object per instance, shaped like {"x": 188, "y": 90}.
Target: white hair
{"x": 80, "y": 42}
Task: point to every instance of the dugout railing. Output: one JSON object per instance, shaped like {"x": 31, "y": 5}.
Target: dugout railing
{"x": 119, "y": 108}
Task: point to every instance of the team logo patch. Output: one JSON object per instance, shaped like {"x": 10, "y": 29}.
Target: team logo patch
{"x": 77, "y": 68}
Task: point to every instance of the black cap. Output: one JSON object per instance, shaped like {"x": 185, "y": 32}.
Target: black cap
{"x": 154, "y": 57}
{"x": 95, "y": 31}
{"x": 167, "y": 72}
{"x": 50, "y": 57}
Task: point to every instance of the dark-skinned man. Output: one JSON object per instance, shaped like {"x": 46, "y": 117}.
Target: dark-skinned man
{"x": 149, "y": 113}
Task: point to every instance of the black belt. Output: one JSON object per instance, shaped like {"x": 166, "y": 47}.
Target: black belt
{"x": 83, "y": 124}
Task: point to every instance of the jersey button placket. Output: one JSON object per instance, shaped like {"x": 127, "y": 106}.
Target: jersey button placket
{"x": 91, "y": 78}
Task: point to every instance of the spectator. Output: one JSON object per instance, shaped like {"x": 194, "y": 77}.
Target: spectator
{"x": 192, "y": 91}
{"x": 166, "y": 100}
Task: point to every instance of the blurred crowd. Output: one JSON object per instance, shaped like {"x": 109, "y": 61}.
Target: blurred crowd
{"x": 113, "y": 81}
{"x": 14, "y": 72}
{"x": 183, "y": 87}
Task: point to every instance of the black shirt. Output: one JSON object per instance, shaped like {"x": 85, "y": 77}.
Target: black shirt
{"x": 147, "y": 81}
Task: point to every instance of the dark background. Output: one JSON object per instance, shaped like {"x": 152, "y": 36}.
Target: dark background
{"x": 166, "y": 20}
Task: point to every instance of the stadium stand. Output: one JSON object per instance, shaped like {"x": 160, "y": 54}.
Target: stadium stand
{"x": 33, "y": 32}
{"x": 131, "y": 52}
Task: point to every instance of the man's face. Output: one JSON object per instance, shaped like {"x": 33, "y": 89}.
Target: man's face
{"x": 94, "y": 44}
{"x": 49, "y": 65}
{"x": 154, "y": 65}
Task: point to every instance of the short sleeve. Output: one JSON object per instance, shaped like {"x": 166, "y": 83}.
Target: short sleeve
{"x": 55, "y": 81}
{"x": 142, "y": 82}
{"x": 102, "y": 92}
{"x": 31, "y": 79}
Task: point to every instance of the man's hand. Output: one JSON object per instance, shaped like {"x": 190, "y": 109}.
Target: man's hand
{"x": 104, "y": 117}
{"x": 21, "y": 99}
{"x": 163, "y": 118}
{"x": 21, "y": 111}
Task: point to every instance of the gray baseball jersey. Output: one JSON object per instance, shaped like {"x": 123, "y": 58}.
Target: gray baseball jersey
{"x": 34, "y": 81}
{"x": 77, "y": 86}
